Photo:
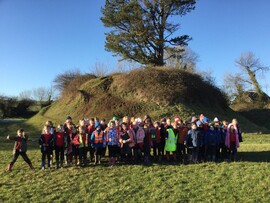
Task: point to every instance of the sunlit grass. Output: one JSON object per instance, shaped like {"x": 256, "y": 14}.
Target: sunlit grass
{"x": 243, "y": 181}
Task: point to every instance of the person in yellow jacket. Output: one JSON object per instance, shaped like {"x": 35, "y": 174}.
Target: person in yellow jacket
{"x": 83, "y": 140}
{"x": 171, "y": 142}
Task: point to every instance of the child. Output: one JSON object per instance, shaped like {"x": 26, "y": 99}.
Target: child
{"x": 192, "y": 143}
{"x": 112, "y": 140}
{"x": 52, "y": 131}
{"x": 201, "y": 143}
{"x": 83, "y": 140}
{"x": 138, "y": 141}
{"x": 98, "y": 141}
{"x": 60, "y": 143}
{"x": 181, "y": 149}
{"x": 20, "y": 148}
{"x": 90, "y": 130}
{"x": 46, "y": 143}
{"x": 171, "y": 140}
{"x": 75, "y": 145}
{"x": 125, "y": 139}
{"x": 211, "y": 143}
{"x": 232, "y": 141}
{"x": 156, "y": 139}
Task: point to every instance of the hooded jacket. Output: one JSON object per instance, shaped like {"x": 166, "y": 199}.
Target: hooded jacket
{"x": 227, "y": 140}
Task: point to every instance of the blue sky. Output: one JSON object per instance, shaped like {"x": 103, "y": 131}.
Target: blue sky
{"x": 40, "y": 39}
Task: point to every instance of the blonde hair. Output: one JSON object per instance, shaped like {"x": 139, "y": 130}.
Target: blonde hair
{"x": 46, "y": 128}
{"x": 234, "y": 121}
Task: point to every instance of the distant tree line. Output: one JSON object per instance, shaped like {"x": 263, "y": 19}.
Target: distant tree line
{"x": 27, "y": 104}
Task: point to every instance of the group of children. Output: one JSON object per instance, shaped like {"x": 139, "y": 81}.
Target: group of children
{"x": 134, "y": 140}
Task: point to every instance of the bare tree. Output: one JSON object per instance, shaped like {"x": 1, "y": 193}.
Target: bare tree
{"x": 185, "y": 58}
{"x": 252, "y": 66}
{"x": 63, "y": 80}
{"x": 27, "y": 94}
{"x": 234, "y": 86}
{"x": 43, "y": 95}
{"x": 99, "y": 69}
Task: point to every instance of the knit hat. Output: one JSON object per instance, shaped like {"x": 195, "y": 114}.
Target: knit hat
{"x": 176, "y": 119}
{"x": 138, "y": 120}
{"x": 97, "y": 124}
{"x": 205, "y": 120}
{"x": 216, "y": 119}
{"x": 193, "y": 119}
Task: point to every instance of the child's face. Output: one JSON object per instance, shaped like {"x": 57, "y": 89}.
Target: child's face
{"x": 112, "y": 125}
{"x": 82, "y": 123}
{"x": 193, "y": 126}
{"x": 46, "y": 130}
{"x": 19, "y": 133}
{"x": 60, "y": 129}
{"x": 124, "y": 127}
{"x": 81, "y": 131}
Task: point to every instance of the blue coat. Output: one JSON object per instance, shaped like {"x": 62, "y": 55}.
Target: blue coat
{"x": 211, "y": 138}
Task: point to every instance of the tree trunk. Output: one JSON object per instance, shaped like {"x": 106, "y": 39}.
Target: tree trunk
{"x": 255, "y": 83}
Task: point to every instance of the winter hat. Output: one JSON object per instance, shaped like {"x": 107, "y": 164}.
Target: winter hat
{"x": 97, "y": 124}
{"x": 216, "y": 119}
{"x": 68, "y": 118}
{"x": 176, "y": 119}
{"x": 198, "y": 123}
{"x": 205, "y": 120}
{"x": 193, "y": 119}
{"x": 138, "y": 120}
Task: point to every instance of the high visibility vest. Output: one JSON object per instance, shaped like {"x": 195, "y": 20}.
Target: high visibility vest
{"x": 81, "y": 140}
{"x": 98, "y": 137}
{"x": 170, "y": 144}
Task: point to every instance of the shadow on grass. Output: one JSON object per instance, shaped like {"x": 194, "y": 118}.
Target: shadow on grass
{"x": 263, "y": 156}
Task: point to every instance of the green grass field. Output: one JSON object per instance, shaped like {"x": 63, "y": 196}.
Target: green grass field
{"x": 246, "y": 180}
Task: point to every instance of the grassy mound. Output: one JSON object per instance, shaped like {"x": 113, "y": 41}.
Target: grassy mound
{"x": 158, "y": 92}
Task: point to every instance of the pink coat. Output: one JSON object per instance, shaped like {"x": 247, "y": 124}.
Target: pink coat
{"x": 227, "y": 140}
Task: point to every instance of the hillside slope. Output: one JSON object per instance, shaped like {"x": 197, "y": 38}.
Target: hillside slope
{"x": 158, "y": 92}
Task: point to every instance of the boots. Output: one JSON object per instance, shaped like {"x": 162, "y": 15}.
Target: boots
{"x": 9, "y": 167}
